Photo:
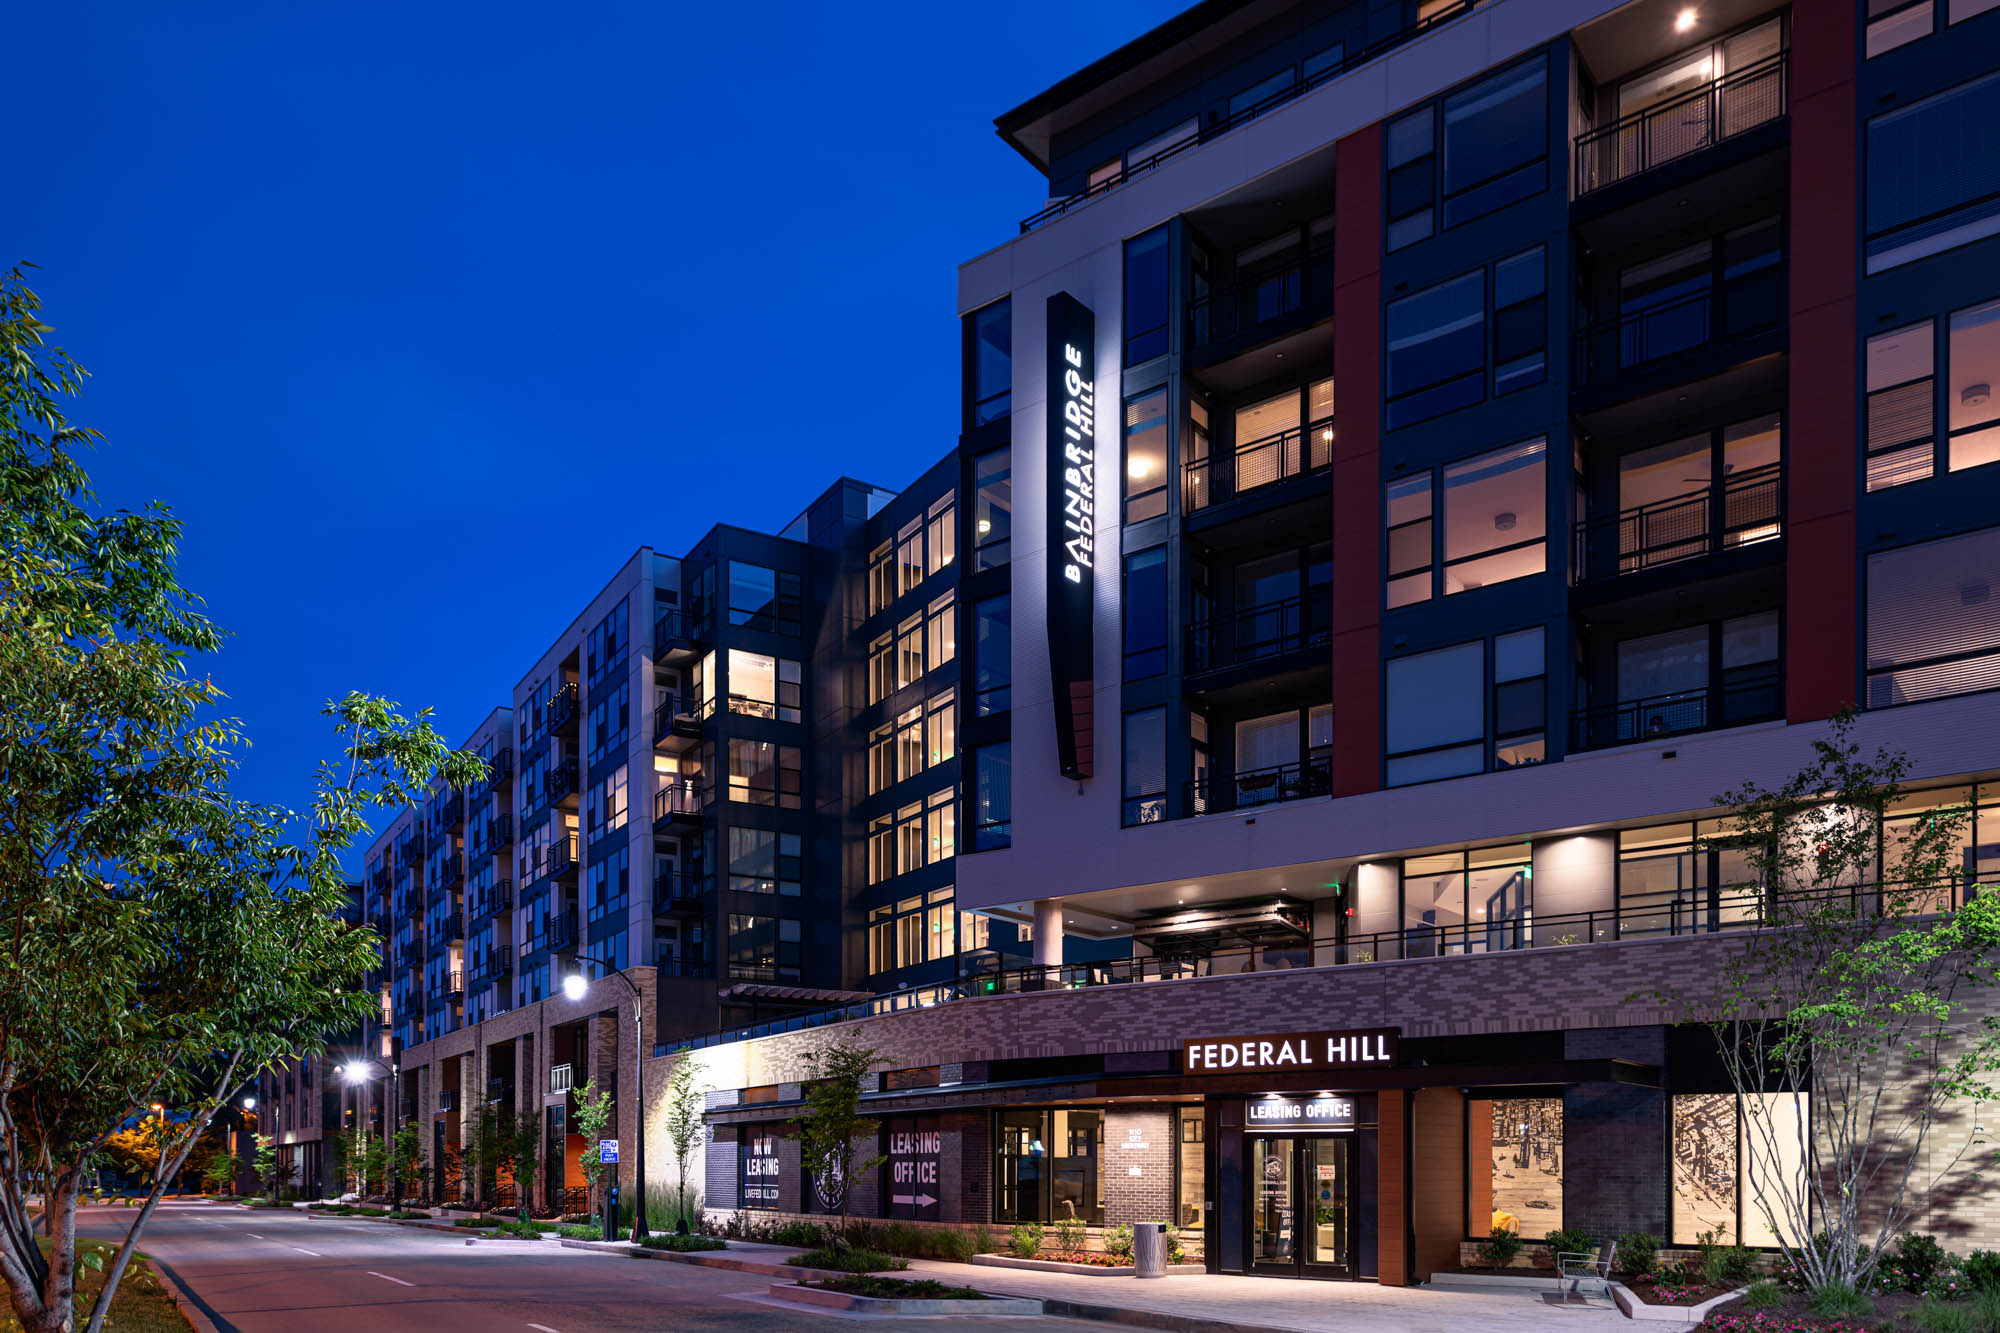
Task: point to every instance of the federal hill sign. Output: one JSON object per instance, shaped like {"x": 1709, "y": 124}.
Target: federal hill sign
{"x": 1355, "y": 1048}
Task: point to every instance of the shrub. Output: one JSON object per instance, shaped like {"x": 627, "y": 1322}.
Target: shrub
{"x": 1570, "y": 1240}
{"x": 805, "y": 1235}
{"x": 1982, "y": 1270}
{"x": 1912, "y": 1266}
{"x": 1765, "y": 1295}
{"x": 667, "y": 1240}
{"x": 1500, "y": 1247}
{"x": 1025, "y": 1240}
{"x": 576, "y": 1231}
{"x": 1638, "y": 1254}
{"x": 1174, "y": 1251}
{"x": 1728, "y": 1264}
{"x": 843, "y": 1259}
{"x": 982, "y": 1241}
{"x": 900, "y": 1288}
{"x": 1840, "y": 1303}
{"x": 1935, "y": 1316}
{"x": 1118, "y": 1242}
{"x": 527, "y": 1231}
{"x": 1069, "y": 1235}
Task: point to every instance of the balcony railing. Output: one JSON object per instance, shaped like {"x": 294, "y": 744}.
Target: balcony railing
{"x": 673, "y": 631}
{"x": 454, "y": 982}
{"x": 680, "y": 798}
{"x": 558, "y": 933}
{"x": 562, "y": 705}
{"x": 676, "y": 893}
{"x": 561, "y": 1078}
{"x": 563, "y": 853}
{"x": 453, "y": 813}
{"x": 1361, "y": 55}
{"x": 1698, "y": 119}
{"x": 562, "y": 779}
{"x": 1646, "y": 338}
{"x": 495, "y": 897}
{"x": 450, "y": 873}
{"x": 1746, "y": 509}
{"x": 1698, "y": 912}
{"x": 1259, "y": 463}
{"x": 447, "y": 1100}
{"x": 1259, "y": 633}
{"x": 1239, "y": 311}
{"x": 1748, "y": 695}
{"x": 498, "y": 769}
{"x": 1262, "y": 786}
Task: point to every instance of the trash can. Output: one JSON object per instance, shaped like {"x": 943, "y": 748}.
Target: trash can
{"x": 1149, "y": 1249}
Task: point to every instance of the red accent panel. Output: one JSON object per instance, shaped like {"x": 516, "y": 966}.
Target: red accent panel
{"x": 1357, "y": 469}
{"x": 1821, "y": 563}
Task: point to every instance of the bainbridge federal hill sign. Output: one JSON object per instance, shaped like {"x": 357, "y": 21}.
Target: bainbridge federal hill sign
{"x": 1287, "y": 1052}
{"x": 1071, "y": 515}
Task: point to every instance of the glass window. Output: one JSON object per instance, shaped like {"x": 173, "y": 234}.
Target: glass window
{"x": 1191, "y": 1159}
{"x": 941, "y": 826}
{"x": 1933, "y": 626}
{"x": 1076, "y": 1186}
{"x": 1145, "y": 604}
{"x": 941, "y": 630}
{"x": 1437, "y": 350}
{"x": 881, "y": 939}
{"x": 881, "y": 849}
{"x": 1931, "y": 173}
{"x": 1901, "y": 394}
{"x": 1411, "y": 190}
{"x": 1146, "y": 456}
{"x": 1020, "y": 1169}
{"x": 1974, "y": 364}
{"x": 992, "y": 508}
{"x": 761, "y": 861}
{"x": 910, "y": 742}
{"x": 1520, "y": 322}
{"x": 881, "y": 577}
{"x": 1520, "y": 699}
{"x": 941, "y": 726}
{"x": 761, "y": 773}
{"x": 1437, "y": 714}
{"x": 1434, "y": 905}
{"x": 910, "y": 837}
{"x": 1496, "y": 141}
{"x": 992, "y": 370}
{"x": 1517, "y": 1147}
{"x": 910, "y": 651}
{"x": 943, "y": 534}
{"x": 1260, "y": 92}
{"x": 1196, "y": 482}
{"x": 1894, "y": 23}
{"x": 992, "y": 656}
{"x": 1407, "y": 507}
{"x": 1326, "y": 61}
{"x": 910, "y": 555}
{"x": 1141, "y": 154}
{"x": 1267, "y": 441}
{"x": 1495, "y": 517}
{"x": 1146, "y": 281}
{"x": 881, "y": 668}
{"x": 881, "y": 759}
{"x": 1145, "y": 758}
{"x": 756, "y": 688}
{"x": 1733, "y": 1159}
{"x": 992, "y": 796}
{"x": 753, "y": 595}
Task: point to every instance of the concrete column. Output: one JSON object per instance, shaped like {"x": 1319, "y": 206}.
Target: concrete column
{"x": 1048, "y": 932}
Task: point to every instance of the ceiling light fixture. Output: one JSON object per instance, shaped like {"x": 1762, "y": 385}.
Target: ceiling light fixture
{"x": 1975, "y": 395}
{"x": 1684, "y": 21}
{"x": 1505, "y": 520}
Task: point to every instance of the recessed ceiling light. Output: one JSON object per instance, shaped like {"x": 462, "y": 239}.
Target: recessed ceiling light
{"x": 1684, "y": 21}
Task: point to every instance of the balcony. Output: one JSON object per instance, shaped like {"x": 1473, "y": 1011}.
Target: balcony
{"x": 1262, "y": 786}
{"x": 674, "y": 639}
{"x": 562, "y": 707}
{"x": 561, "y": 1078}
{"x": 677, "y": 720}
{"x": 1262, "y": 305}
{"x": 1753, "y": 695}
{"x": 498, "y": 769}
{"x": 447, "y": 1100}
{"x": 1261, "y": 633}
{"x": 495, "y": 898}
{"x": 675, "y": 893}
{"x": 453, "y": 813}
{"x": 559, "y": 932}
{"x": 679, "y": 800}
{"x": 562, "y": 779}
{"x": 1258, "y": 464}
{"x": 563, "y": 855}
{"x": 410, "y": 852}
{"x": 1745, "y": 510}
{"x": 499, "y": 1089}
{"x": 1696, "y": 120}
{"x": 451, "y": 927}
{"x": 449, "y": 874}
{"x": 1648, "y": 347}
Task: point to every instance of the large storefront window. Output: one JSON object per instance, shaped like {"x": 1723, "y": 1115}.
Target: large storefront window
{"x": 1191, "y": 1191}
{"x": 1047, "y": 1166}
{"x": 1731, "y": 1158}
{"x": 1521, "y": 1140}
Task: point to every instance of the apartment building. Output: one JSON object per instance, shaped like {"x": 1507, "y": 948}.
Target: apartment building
{"x": 1448, "y": 443}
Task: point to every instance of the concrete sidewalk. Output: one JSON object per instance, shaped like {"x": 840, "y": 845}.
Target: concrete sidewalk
{"x": 1204, "y": 1303}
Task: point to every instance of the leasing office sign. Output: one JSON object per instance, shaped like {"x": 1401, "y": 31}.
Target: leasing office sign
{"x": 1356, "y": 1048}
{"x": 1071, "y": 508}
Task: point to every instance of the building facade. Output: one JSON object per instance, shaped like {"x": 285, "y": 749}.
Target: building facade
{"x": 1454, "y": 441}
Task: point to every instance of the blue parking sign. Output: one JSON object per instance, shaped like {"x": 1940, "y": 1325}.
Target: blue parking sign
{"x": 607, "y": 1150}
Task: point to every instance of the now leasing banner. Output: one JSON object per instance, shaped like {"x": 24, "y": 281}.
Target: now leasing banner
{"x": 1356, "y": 1048}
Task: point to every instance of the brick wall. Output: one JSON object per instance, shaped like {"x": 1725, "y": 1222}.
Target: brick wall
{"x": 1141, "y": 1140}
{"x": 1614, "y": 1139}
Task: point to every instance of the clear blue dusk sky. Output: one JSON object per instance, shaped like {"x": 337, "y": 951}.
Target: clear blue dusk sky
{"x": 424, "y": 316}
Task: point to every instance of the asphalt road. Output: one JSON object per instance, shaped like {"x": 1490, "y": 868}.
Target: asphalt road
{"x": 277, "y": 1271}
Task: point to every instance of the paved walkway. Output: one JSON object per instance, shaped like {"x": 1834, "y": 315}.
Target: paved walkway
{"x": 1278, "y": 1303}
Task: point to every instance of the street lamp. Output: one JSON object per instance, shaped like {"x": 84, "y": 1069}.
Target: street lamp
{"x": 575, "y": 985}
{"x": 356, "y": 1073}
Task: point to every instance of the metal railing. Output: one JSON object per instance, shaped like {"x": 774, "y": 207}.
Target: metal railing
{"x": 1259, "y": 463}
{"x": 671, "y": 625}
{"x": 1259, "y": 298}
{"x": 562, "y": 779}
{"x": 561, "y": 1078}
{"x": 1643, "y": 337}
{"x": 1262, "y": 786}
{"x": 1698, "y": 119}
{"x": 1745, "y": 509}
{"x": 1698, "y": 911}
{"x": 676, "y": 893}
{"x": 1220, "y": 126}
{"x": 679, "y": 798}
{"x": 562, "y": 706}
{"x": 495, "y": 897}
{"x": 558, "y": 933}
{"x": 498, "y": 769}
{"x": 1257, "y": 633}
{"x": 563, "y": 853}
{"x": 1749, "y": 695}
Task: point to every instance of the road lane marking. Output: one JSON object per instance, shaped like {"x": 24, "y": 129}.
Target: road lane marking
{"x": 303, "y": 1250}
{"x": 543, "y": 1327}
{"x": 253, "y": 1235}
{"x": 386, "y": 1278}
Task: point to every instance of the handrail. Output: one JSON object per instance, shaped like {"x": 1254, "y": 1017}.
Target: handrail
{"x": 1685, "y": 526}
{"x": 1217, "y": 128}
{"x": 1699, "y": 118}
{"x": 1254, "y": 633}
{"x": 1702, "y": 911}
{"x": 1262, "y": 786}
{"x": 1753, "y": 696}
{"x": 1239, "y": 307}
{"x": 1644, "y": 337}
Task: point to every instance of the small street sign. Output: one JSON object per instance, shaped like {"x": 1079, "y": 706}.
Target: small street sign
{"x": 607, "y": 1150}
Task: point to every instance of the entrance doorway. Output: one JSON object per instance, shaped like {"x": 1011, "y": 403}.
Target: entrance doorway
{"x": 1303, "y": 1204}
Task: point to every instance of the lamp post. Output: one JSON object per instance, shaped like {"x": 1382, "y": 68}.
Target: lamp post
{"x": 575, "y": 985}
{"x": 356, "y": 1073}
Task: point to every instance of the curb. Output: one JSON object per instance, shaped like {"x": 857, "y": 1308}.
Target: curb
{"x": 702, "y": 1259}
{"x": 896, "y": 1305}
{"x": 184, "y": 1300}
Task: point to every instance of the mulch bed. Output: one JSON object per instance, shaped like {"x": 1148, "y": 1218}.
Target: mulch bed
{"x": 1892, "y": 1311}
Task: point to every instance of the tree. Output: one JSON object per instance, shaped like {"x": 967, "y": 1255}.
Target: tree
{"x": 833, "y": 1121}
{"x": 484, "y": 1153}
{"x": 593, "y": 1115}
{"x": 164, "y": 940}
{"x": 521, "y": 1137}
{"x": 264, "y": 1163}
{"x": 685, "y": 1129}
{"x": 1843, "y": 1021}
{"x": 135, "y": 1149}
{"x": 406, "y": 1154}
{"x": 218, "y": 1173}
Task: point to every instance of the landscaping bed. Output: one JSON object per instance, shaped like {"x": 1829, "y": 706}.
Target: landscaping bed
{"x": 143, "y": 1303}
{"x": 1884, "y": 1312}
{"x": 846, "y": 1260}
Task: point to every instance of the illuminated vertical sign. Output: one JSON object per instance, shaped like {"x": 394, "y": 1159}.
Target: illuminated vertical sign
{"x": 1072, "y": 525}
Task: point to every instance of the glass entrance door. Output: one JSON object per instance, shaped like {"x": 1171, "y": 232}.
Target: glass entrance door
{"x": 1302, "y": 1206}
